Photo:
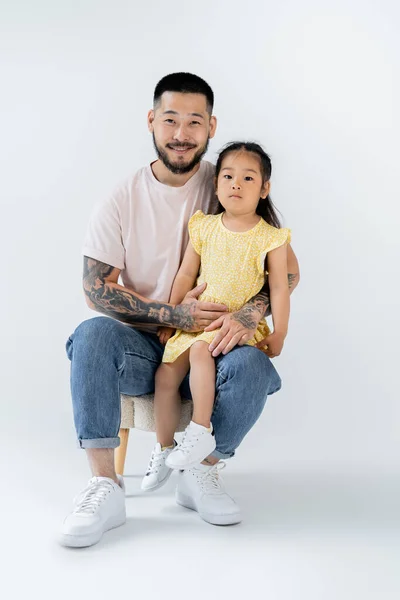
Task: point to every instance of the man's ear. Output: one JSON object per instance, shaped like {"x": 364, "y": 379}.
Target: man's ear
{"x": 150, "y": 119}
{"x": 213, "y": 126}
{"x": 266, "y": 189}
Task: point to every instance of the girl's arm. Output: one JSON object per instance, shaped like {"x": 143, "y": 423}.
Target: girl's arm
{"x": 183, "y": 283}
{"x": 186, "y": 276}
{"x": 279, "y": 294}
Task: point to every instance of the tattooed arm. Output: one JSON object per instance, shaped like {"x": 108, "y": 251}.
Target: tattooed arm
{"x": 246, "y": 319}
{"x": 104, "y": 294}
{"x": 260, "y": 305}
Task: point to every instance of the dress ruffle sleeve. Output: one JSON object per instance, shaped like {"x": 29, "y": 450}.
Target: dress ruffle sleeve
{"x": 277, "y": 238}
{"x": 195, "y": 227}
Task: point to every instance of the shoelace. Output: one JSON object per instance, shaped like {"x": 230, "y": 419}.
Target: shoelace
{"x": 189, "y": 440}
{"x": 210, "y": 481}
{"x": 156, "y": 461}
{"x": 89, "y": 500}
{"x": 154, "y": 464}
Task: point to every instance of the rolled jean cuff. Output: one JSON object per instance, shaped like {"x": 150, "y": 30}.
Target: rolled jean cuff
{"x": 221, "y": 455}
{"x": 99, "y": 443}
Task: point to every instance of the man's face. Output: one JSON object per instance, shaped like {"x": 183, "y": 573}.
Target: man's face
{"x": 181, "y": 128}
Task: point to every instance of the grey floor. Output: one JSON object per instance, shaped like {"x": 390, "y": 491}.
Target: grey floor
{"x": 307, "y": 533}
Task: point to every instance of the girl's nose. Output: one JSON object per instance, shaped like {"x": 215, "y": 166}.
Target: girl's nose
{"x": 235, "y": 184}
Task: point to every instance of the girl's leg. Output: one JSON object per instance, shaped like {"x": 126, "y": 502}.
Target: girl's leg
{"x": 202, "y": 382}
{"x": 167, "y": 400}
{"x": 198, "y": 441}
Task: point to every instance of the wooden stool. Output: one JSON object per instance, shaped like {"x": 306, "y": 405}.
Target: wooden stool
{"x": 138, "y": 412}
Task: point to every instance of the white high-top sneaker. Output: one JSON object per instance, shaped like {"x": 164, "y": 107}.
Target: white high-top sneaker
{"x": 197, "y": 443}
{"x": 98, "y": 508}
{"x": 202, "y": 490}
{"x": 157, "y": 472}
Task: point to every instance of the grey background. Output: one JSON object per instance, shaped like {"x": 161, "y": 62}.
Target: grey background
{"x": 317, "y": 84}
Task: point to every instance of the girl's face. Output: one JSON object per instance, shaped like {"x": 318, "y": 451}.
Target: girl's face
{"x": 240, "y": 185}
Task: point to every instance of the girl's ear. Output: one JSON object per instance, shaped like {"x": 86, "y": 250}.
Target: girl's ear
{"x": 266, "y": 188}
{"x": 216, "y": 185}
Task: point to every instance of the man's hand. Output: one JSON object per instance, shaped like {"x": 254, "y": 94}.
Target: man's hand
{"x": 275, "y": 342}
{"x": 236, "y": 329}
{"x": 164, "y": 333}
{"x": 194, "y": 315}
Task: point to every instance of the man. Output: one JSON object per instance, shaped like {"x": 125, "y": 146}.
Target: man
{"x": 141, "y": 234}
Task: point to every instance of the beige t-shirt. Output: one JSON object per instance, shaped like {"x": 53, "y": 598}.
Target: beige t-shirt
{"x": 142, "y": 228}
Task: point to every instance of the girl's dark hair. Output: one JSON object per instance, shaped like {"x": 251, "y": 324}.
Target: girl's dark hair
{"x": 265, "y": 208}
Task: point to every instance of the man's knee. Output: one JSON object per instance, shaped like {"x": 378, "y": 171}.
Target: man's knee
{"x": 92, "y": 333}
{"x": 250, "y": 366}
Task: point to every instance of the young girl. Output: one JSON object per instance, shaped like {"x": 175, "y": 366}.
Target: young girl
{"x": 229, "y": 252}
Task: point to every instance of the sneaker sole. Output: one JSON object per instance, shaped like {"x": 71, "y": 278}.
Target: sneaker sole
{"x": 158, "y": 485}
{"x": 187, "y": 502}
{"x": 194, "y": 462}
{"x": 83, "y": 541}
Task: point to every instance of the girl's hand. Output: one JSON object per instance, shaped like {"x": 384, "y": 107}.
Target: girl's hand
{"x": 275, "y": 342}
{"x": 164, "y": 333}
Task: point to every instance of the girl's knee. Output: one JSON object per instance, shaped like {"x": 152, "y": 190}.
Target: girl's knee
{"x": 199, "y": 350}
{"x": 167, "y": 376}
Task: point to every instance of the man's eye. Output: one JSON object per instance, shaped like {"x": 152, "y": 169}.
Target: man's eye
{"x": 195, "y": 122}
{"x": 169, "y": 121}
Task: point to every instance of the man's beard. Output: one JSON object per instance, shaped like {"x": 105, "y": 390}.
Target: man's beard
{"x": 179, "y": 168}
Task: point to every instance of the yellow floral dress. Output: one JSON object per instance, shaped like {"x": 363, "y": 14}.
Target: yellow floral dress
{"x": 232, "y": 264}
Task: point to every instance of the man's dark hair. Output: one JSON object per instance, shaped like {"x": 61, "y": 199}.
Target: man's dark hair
{"x": 185, "y": 83}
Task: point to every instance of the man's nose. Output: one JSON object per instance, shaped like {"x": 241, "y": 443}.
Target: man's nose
{"x": 181, "y": 133}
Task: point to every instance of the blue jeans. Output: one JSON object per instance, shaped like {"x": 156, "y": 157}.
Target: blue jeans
{"x": 108, "y": 358}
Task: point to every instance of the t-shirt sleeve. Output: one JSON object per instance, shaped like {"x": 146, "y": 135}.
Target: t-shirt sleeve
{"x": 103, "y": 240}
{"x": 277, "y": 238}
{"x": 195, "y": 227}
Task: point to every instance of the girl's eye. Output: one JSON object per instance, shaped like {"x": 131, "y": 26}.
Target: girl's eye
{"x": 227, "y": 177}
{"x": 248, "y": 178}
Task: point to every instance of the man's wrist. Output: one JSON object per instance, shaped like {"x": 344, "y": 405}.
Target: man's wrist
{"x": 248, "y": 315}
{"x": 182, "y": 317}
{"x": 260, "y": 305}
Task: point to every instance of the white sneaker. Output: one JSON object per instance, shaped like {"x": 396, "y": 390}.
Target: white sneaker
{"x": 98, "y": 508}
{"x": 157, "y": 471}
{"x": 202, "y": 490}
{"x": 197, "y": 443}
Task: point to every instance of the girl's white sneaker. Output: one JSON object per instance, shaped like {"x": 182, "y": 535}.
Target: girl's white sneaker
{"x": 157, "y": 472}
{"x": 197, "y": 443}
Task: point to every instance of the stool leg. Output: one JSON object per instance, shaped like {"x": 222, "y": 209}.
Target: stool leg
{"x": 120, "y": 452}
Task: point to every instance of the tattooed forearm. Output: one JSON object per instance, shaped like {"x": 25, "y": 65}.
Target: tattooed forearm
{"x": 260, "y": 305}
{"x": 247, "y": 316}
{"x": 124, "y": 305}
